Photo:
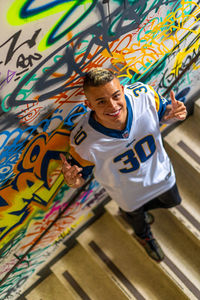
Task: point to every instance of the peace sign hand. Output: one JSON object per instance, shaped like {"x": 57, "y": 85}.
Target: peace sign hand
{"x": 176, "y": 110}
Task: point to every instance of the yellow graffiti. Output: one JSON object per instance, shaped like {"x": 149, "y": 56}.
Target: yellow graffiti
{"x": 158, "y": 38}
{"x": 31, "y": 188}
{"x": 15, "y": 17}
{"x": 82, "y": 219}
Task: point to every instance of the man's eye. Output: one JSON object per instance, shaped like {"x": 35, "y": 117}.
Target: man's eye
{"x": 101, "y": 102}
{"x": 117, "y": 96}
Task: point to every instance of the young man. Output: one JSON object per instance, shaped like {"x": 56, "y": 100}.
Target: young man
{"x": 120, "y": 141}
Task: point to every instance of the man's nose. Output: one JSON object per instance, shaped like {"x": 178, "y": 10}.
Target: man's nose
{"x": 111, "y": 103}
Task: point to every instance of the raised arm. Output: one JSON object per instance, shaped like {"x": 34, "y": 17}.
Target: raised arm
{"x": 72, "y": 175}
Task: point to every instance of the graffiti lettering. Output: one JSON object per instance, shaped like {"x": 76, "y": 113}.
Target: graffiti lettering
{"x": 25, "y": 62}
{"x": 13, "y": 48}
{"x": 21, "y": 137}
{"x": 100, "y": 36}
{"x": 68, "y": 7}
{"x": 30, "y": 187}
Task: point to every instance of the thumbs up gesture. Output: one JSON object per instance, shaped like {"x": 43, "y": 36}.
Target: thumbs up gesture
{"x": 176, "y": 110}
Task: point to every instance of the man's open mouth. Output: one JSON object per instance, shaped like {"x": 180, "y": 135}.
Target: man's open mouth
{"x": 115, "y": 113}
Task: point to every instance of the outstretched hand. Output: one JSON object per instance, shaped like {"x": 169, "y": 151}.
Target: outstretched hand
{"x": 176, "y": 110}
{"x": 71, "y": 173}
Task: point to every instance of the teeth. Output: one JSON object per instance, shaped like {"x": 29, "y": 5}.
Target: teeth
{"x": 115, "y": 113}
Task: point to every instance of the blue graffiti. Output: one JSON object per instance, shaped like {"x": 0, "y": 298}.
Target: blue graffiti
{"x": 15, "y": 141}
{"x": 77, "y": 111}
{"x": 6, "y": 168}
{"x": 181, "y": 96}
{"x": 27, "y": 12}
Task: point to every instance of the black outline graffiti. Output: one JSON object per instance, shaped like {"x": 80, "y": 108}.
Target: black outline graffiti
{"x": 14, "y": 39}
{"x": 101, "y": 36}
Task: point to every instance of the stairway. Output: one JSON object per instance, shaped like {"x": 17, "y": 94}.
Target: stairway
{"x": 106, "y": 262}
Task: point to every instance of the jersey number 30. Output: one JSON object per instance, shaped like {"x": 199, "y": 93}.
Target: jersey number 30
{"x": 144, "y": 148}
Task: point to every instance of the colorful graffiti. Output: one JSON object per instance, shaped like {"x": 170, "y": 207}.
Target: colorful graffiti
{"x": 71, "y": 220}
{"x": 45, "y": 49}
{"x": 32, "y": 180}
{"x": 21, "y": 10}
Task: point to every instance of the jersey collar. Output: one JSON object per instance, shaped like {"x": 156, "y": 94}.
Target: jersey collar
{"x": 120, "y": 134}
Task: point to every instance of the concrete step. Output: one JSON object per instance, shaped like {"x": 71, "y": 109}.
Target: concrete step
{"x": 183, "y": 147}
{"x": 190, "y": 194}
{"x": 125, "y": 260}
{"x": 187, "y": 219}
{"x": 50, "y": 289}
{"x": 180, "y": 246}
{"x": 83, "y": 277}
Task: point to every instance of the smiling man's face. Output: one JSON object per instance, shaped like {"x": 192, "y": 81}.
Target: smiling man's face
{"x": 108, "y": 103}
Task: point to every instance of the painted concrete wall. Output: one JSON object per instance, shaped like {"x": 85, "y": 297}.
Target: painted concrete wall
{"x": 46, "y": 46}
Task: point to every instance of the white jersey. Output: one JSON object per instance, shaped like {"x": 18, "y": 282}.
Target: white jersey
{"x": 132, "y": 165}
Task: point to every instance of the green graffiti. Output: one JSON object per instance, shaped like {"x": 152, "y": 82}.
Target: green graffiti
{"x": 60, "y": 195}
{"x": 18, "y": 14}
{"x": 12, "y": 244}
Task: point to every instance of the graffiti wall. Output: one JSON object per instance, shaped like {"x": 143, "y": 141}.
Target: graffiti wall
{"x": 46, "y": 46}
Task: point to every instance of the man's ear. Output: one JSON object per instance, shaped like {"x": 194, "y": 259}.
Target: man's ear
{"x": 87, "y": 103}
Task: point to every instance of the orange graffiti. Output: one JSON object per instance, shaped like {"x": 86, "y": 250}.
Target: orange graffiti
{"x": 32, "y": 189}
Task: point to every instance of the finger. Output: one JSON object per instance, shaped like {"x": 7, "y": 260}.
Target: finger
{"x": 71, "y": 176}
{"x": 180, "y": 109}
{"x": 66, "y": 168}
{"x": 173, "y": 99}
{"x": 180, "y": 115}
{"x": 168, "y": 117}
{"x": 79, "y": 169}
{"x": 75, "y": 171}
{"x": 70, "y": 173}
{"x": 76, "y": 168}
{"x": 64, "y": 161}
{"x": 62, "y": 157}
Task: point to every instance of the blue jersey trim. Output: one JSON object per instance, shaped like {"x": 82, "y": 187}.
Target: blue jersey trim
{"x": 162, "y": 108}
{"x": 120, "y": 134}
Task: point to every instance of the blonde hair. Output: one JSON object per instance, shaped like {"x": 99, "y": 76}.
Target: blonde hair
{"x": 97, "y": 77}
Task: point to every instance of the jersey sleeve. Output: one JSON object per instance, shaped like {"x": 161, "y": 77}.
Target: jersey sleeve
{"x": 160, "y": 103}
{"x": 76, "y": 159}
{"x": 79, "y": 152}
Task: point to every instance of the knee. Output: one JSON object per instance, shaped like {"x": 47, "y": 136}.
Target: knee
{"x": 179, "y": 200}
{"x": 171, "y": 198}
{"x": 174, "y": 202}
{"x": 176, "y": 198}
